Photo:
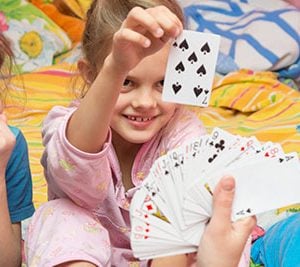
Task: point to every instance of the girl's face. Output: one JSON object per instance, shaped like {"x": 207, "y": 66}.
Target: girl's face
{"x": 140, "y": 113}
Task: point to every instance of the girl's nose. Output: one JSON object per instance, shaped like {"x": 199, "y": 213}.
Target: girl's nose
{"x": 144, "y": 99}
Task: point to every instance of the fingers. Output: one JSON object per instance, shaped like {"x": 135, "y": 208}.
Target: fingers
{"x": 127, "y": 35}
{"x": 245, "y": 226}
{"x": 153, "y": 23}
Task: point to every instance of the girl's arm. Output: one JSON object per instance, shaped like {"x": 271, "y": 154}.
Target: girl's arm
{"x": 143, "y": 33}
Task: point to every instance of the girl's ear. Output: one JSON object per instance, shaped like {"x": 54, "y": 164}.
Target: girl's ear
{"x": 85, "y": 71}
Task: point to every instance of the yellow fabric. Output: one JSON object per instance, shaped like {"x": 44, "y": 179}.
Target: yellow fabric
{"x": 249, "y": 103}
{"x": 26, "y": 109}
{"x": 85, "y": 4}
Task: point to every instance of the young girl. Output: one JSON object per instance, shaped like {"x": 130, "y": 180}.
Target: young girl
{"x": 99, "y": 150}
{"x": 15, "y": 178}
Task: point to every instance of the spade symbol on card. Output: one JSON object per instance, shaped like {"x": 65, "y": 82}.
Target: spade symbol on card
{"x": 243, "y": 212}
{"x": 205, "y": 49}
{"x": 180, "y": 67}
{"x": 175, "y": 44}
{"x": 184, "y": 45}
{"x": 176, "y": 87}
{"x": 211, "y": 159}
{"x": 201, "y": 71}
{"x": 192, "y": 58}
{"x": 198, "y": 90}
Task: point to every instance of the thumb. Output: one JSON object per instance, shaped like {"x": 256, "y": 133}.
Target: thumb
{"x": 222, "y": 203}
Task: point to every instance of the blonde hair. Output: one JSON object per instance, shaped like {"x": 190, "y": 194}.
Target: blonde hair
{"x": 6, "y": 63}
{"x": 104, "y": 18}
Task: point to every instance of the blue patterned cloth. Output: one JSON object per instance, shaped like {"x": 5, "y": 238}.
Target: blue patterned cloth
{"x": 255, "y": 34}
{"x": 280, "y": 246}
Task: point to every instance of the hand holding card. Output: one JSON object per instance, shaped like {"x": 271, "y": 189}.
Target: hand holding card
{"x": 191, "y": 68}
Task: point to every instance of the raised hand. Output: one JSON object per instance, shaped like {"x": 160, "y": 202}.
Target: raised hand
{"x": 143, "y": 32}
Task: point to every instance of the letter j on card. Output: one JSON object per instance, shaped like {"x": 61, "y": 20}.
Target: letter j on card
{"x": 191, "y": 68}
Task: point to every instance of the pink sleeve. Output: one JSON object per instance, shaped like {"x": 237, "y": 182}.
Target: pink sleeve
{"x": 71, "y": 173}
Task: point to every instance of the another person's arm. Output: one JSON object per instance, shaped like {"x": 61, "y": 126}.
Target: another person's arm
{"x": 10, "y": 234}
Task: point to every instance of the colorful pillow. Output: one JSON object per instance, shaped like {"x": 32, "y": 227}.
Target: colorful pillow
{"x": 72, "y": 25}
{"x": 35, "y": 38}
{"x": 30, "y": 97}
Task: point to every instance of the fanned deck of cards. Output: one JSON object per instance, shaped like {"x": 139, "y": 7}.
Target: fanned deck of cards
{"x": 174, "y": 203}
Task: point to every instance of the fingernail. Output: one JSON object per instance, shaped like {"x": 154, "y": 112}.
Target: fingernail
{"x": 228, "y": 183}
{"x": 147, "y": 43}
{"x": 177, "y": 32}
{"x": 159, "y": 32}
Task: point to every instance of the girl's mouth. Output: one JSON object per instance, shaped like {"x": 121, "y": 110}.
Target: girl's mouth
{"x": 139, "y": 119}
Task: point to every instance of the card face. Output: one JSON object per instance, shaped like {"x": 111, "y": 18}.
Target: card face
{"x": 191, "y": 68}
{"x": 272, "y": 183}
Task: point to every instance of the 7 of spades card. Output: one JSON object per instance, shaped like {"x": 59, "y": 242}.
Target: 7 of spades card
{"x": 191, "y": 68}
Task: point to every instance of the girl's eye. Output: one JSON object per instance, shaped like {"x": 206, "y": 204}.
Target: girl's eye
{"x": 160, "y": 85}
{"x": 126, "y": 83}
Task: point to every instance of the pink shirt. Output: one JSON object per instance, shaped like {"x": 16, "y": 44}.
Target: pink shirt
{"x": 94, "y": 181}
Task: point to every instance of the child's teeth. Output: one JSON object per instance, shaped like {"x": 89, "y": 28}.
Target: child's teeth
{"x": 139, "y": 119}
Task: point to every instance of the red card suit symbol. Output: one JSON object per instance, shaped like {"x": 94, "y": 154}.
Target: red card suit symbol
{"x": 205, "y": 49}
{"x": 176, "y": 87}
{"x": 180, "y": 67}
{"x": 184, "y": 45}
{"x": 192, "y": 58}
{"x": 149, "y": 207}
{"x": 198, "y": 90}
{"x": 201, "y": 71}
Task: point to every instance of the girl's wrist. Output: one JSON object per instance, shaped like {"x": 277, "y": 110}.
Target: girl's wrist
{"x": 114, "y": 67}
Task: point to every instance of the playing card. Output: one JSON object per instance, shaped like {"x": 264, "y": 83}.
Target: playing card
{"x": 191, "y": 68}
{"x": 269, "y": 180}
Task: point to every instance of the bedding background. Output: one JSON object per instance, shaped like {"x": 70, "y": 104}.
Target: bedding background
{"x": 256, "y": 89}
